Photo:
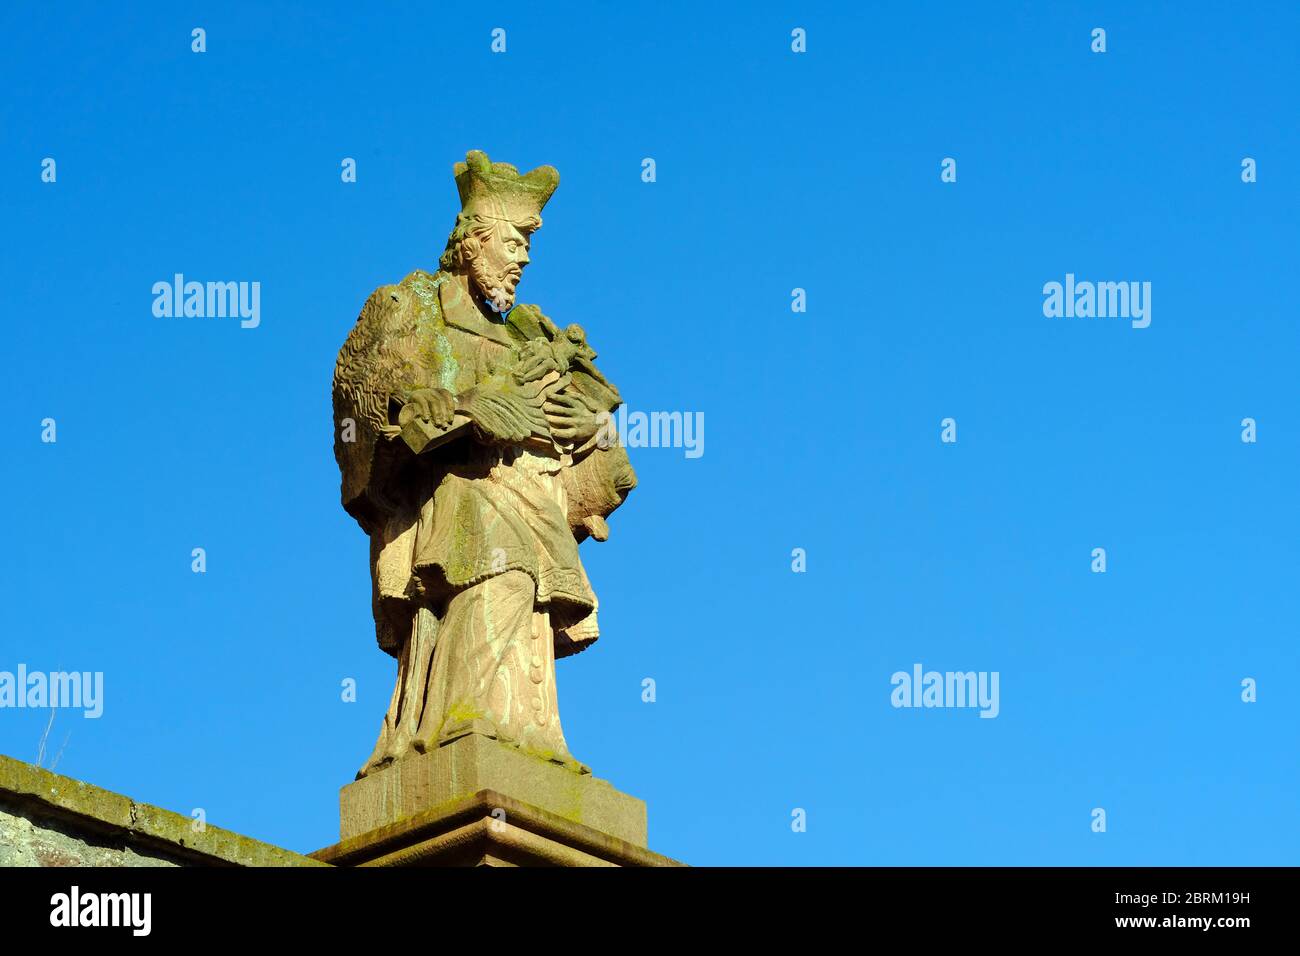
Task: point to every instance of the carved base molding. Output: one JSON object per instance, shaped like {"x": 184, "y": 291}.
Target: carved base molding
{"x": 488, "y": 829}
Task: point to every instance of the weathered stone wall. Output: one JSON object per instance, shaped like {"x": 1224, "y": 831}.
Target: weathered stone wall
{"x": 50, "y": 820}
{"x": 46, "y": 842}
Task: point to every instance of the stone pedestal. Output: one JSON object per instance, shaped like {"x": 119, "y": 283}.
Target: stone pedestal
{"x": 475, "y": 801}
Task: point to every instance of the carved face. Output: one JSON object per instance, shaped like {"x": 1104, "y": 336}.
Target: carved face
{"x": 499, "y": 265}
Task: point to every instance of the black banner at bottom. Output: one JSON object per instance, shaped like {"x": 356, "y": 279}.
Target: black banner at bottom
{"x": 340, "y": 906}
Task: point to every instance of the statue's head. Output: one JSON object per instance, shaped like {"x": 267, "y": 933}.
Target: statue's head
{"x": 500, "y": 210}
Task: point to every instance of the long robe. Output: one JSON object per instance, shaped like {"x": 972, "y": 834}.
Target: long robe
{"x": 471, "y": 511}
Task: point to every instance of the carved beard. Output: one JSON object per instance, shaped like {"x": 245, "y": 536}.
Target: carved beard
{"x": 497, "y": 288}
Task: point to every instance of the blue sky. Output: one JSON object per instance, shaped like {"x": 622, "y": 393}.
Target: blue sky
{"x": 775, "y": 171}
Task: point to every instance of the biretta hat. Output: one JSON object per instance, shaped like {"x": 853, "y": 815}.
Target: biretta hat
{"x": 497, "y": 191}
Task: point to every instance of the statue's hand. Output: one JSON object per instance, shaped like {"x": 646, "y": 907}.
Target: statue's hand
{"x": 571, "y": 415}
{"x": 503, "y": 416}
{"x": 436, "y": 405}
{"x": 536, "y": 360}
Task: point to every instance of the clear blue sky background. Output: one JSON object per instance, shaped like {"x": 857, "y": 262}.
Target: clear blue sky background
{"x": 775, "y": 171}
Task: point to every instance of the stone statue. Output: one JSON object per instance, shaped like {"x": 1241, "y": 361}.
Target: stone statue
{"x": 474, "y": 443}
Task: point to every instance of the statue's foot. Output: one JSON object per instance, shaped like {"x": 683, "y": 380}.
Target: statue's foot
{"x": 371, "y": 766}
{"x": 560, "y": 756}
{"x": 378, "y": 757}
{"x": 391, "y": 748}
{"x": 424, "y": 742}
{"x": 575, "y": 765}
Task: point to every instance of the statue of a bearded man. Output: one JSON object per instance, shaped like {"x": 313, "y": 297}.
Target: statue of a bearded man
{"x": 474, "y": 443}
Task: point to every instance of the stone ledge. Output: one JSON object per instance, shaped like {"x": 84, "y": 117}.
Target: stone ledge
{"x": 86, "y": 810}
{"x": 487, "y": 829}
